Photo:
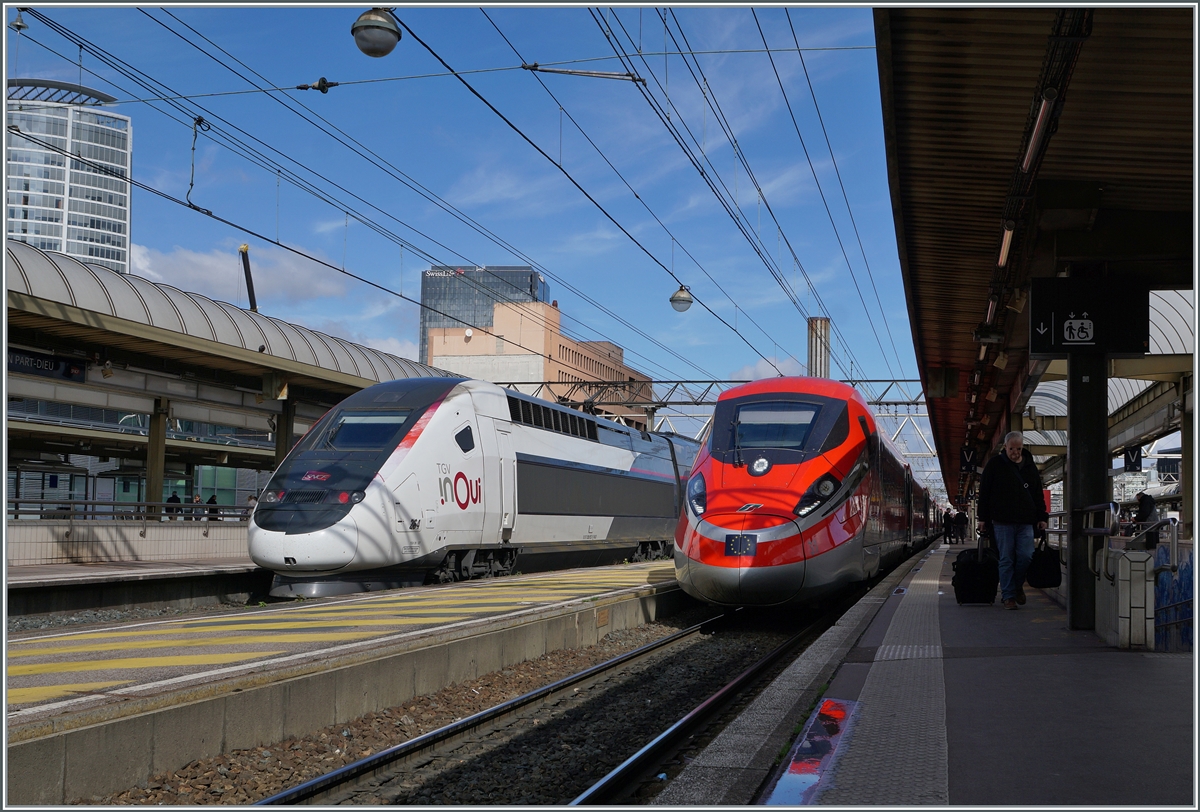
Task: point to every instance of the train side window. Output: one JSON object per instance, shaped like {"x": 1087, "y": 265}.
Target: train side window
{"x": 574, "y": 424}
{"x": 557, "y": 419}
{"x": 591, "y": 429}
{"x": 538, "y": 417}
{"x": 527, "y": 412}
{"x": 465, "y": 440}
{"x": 839, "y": 432}
{"x": 514, "y": 409}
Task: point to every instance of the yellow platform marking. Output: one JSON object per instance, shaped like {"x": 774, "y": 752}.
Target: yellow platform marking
{"x": 232, "y": 640}
{"x": 21, "y": 696}
{"x": 134, "y": 662}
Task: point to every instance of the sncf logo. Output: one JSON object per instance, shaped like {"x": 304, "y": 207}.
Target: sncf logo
{"x": 464, "y": 492}
{"x": 315, "y": 476}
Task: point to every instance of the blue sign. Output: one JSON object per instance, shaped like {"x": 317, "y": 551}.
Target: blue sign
{"x": 46, "y": 366}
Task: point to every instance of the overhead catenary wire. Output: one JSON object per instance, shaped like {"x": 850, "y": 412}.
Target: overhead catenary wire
{"x": 735, "y": 211}
{"x": 583, "y": 191}
{"x": 837, "y": 172}
{"x": 719, "y": 114}
{"x": 674, "y": 239}
{"x": 102, "y": 169}
{"x": 264, "y": 162}
{"x": 366, "y": 153}
{"x": 725, "y": 199}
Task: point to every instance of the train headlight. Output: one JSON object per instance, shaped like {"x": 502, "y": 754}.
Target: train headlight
{"x": 697, "y": 494}
{"x": 272, "y": 497}
{"x": 760, "y": 466}
{"x": 357, "y": 497}
{"x": 817, "y": 494}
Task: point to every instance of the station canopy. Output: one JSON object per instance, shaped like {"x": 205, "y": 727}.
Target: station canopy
{"x": 1107, "y": 194}
{"x": 136, "y": 341}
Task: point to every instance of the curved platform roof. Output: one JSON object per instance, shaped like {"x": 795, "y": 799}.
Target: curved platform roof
{"x": 135, "y": 313}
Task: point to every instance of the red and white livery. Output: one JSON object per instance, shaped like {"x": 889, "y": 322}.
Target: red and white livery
{"x": 794, "y": 494}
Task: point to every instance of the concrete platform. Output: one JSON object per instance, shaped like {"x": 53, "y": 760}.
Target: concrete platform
{"x": 46, "y": 588}
{"x": 930, "y": 702}
{"x": 101, "y": 709}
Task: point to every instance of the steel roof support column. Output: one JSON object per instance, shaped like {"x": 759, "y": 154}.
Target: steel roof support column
{"x": 156, "y": 452}
{"x": 285, "y": 432}
{"x": 1187, "y": 474}
{"x": 1087, "y": 475}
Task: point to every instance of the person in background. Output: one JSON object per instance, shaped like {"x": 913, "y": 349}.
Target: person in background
{"x": 251, "y": 501}
{"x": 174, "y": 500}
{"x": 948, "y": 526}
{"x": 1010, "y": 498}
{"x": 1146, "y": 514}
{"x": 213, "y": 511}
{"x": 960, "y": 526}
{"x": 195, "y": 513}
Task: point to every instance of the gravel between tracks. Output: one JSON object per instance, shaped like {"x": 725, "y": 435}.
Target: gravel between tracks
{"x": 246, "y": 776}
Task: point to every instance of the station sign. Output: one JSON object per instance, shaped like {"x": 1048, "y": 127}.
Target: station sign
{"x": 1070, "y": 315}
{"x": 1133, "y": 459}
{"x": 46, "y": 366}
{"x": 968, "y": 459}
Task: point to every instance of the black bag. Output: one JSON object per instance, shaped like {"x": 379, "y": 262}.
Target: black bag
{"x": 976, "y": 575}
{"x": 1044, "y": 569}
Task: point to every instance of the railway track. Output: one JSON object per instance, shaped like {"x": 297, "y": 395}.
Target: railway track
{"x": 591, "y": 738}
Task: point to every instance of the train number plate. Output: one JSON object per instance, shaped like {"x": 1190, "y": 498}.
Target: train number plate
{"x": 740, "y": 544}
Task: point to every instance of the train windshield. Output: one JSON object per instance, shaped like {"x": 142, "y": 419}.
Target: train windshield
{"x": 774, "y": 424}
{"x": 362, "y": 430}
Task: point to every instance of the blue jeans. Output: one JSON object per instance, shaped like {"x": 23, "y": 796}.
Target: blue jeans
{"x": 1014, "y": 544}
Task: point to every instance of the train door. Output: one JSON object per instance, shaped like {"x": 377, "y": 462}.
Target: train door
{"x": 507, "y": 461}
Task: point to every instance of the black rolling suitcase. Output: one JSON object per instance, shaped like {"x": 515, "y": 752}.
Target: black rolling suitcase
{"x": 976, "y": 574}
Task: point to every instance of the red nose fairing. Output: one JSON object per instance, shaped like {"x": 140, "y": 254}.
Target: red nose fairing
{"x": 775, "y": 527}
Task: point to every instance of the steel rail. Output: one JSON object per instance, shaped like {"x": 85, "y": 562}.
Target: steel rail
{"x": 610, "y": 786}
{"x": 339, "y": 779}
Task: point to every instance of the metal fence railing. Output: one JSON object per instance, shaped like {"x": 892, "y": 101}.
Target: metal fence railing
{"x": 91, "y": 510}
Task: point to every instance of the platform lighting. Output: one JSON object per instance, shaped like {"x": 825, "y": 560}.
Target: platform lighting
{"x": 978, "y": 374}
{"x": 375, "y": 32}
{"x": 1049, "y": 96}
{"x": 993, "y": 300}
{"x": 1006, "y": 242}
{"x": 982, "y": 353}
{"x": 681, "y": 299}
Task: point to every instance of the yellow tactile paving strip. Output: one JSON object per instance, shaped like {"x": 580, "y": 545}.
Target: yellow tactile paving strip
{"x": 62, "y": 666}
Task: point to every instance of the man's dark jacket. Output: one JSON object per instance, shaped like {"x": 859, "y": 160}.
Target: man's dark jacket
{"x": 1145, "y": 511}
{"x": 1011, "y": 493}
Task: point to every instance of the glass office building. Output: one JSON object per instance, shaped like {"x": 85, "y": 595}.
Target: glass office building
{"x": 56, "y": 203}
{"x": 468, "y": 294}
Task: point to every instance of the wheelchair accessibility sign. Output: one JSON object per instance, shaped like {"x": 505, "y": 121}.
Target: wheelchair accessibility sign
{"x": 1078, "y": 331}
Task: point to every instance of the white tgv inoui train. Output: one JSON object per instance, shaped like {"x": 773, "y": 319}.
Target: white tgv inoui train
{"x": 440, "y": 479}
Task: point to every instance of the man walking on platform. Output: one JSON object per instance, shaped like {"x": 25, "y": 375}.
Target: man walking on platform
{"x": 1010, "y": 498}
{"x": 948, "y": 526}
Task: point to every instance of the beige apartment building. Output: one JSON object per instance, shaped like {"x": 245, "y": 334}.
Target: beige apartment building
{"x": 527, "y": 346}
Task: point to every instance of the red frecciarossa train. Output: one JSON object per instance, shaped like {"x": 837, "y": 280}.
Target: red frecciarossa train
{"x": 795, "y": 494}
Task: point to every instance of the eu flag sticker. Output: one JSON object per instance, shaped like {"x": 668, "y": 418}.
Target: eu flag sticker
{"x": 740, "y": 544}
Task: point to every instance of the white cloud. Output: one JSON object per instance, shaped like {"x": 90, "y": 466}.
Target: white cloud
{"x": 278, "y": 275}
{"x": 763, "y": 369}
{"x": 340, "y": 328}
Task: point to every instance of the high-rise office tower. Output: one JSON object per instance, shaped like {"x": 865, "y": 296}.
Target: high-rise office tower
{"x": 470, "y": 294}
{"x": 78, "y": 205}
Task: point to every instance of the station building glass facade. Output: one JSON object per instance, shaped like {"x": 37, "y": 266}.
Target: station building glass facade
{"x": 470, "y": 294}
{"x": 57, "y": 203}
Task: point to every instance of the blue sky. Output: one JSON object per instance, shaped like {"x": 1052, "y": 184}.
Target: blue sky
{"x": 434, "y": 131}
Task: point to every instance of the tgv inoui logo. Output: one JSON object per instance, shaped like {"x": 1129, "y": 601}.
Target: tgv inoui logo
{"x": 461, "y": 490}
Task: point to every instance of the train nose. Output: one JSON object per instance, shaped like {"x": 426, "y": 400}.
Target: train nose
{"x": 743, "y": 560}
{"x": 326, "y": 550}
